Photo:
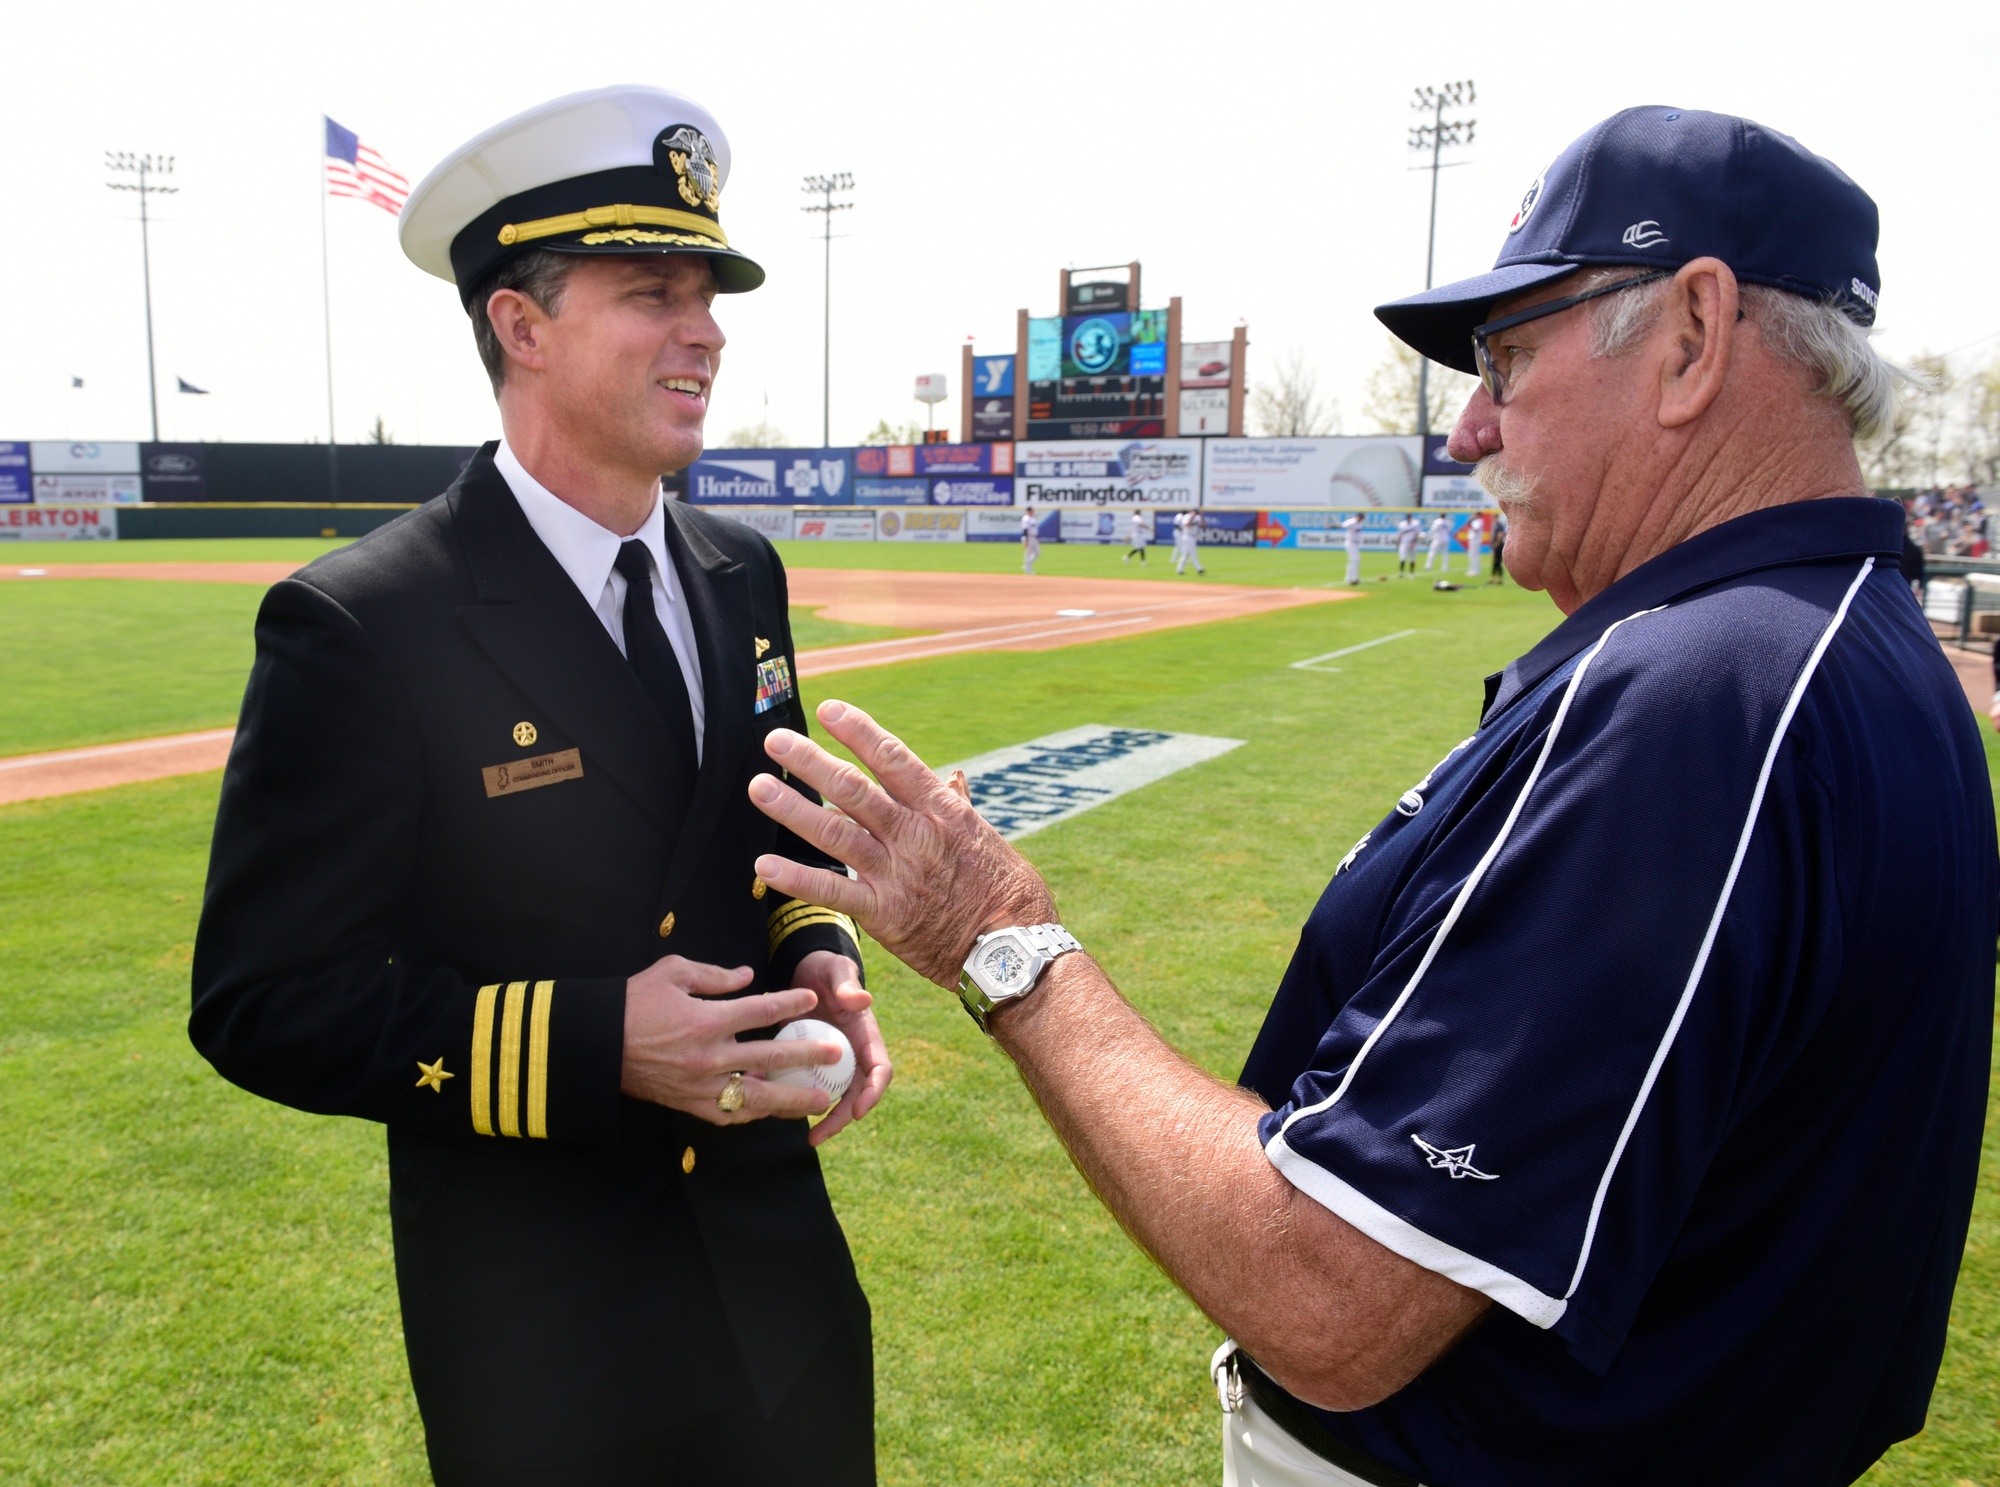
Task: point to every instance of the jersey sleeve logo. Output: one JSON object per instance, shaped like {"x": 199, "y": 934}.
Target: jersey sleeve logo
{"x": 1457, "y": 1160}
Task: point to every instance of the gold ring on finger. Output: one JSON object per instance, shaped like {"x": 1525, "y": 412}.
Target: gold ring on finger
{"x": 731, "y": 1099}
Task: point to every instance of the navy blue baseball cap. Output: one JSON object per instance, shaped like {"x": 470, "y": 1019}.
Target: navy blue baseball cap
{"x": 1657, "y": 187}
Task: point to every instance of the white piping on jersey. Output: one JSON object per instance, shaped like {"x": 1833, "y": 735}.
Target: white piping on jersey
{"x": 1715, "y": 919}
{"x": 1471, "y": 882}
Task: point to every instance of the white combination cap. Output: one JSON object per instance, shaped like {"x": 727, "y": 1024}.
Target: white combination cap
{"x": 615, "y": 170}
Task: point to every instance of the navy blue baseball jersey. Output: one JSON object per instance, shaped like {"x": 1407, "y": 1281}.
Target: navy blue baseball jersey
{"x": 1660, "y": 1013}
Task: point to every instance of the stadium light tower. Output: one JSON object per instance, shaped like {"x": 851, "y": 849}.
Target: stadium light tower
{"x": 827, "y": 187}
{"x": 141, "y": 168}
{"x": 1433, "y": 137}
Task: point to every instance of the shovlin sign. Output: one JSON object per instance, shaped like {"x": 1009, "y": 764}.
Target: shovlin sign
{"x": 772, "y": 477}
{"x": 1217, "y": 529}
{"x": 58, "y": 524}
{"x": 1277, "y": 474}
{"x": 1084, "y": 472}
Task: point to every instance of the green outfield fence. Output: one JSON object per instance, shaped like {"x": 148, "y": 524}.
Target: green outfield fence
{"x": 253, "y": 519}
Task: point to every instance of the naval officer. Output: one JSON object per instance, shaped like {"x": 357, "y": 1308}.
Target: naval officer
{"x": 1618, "y": 1118}
{"x": 484, "y": 868}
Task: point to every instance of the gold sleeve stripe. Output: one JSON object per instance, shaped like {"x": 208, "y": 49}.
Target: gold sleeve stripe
{"x": 623, "y": 214}
{"x": 510, "y": 1058}
{"x": 799, "y": 915}
{"x": 538, "y": 1061}
{"x": 798, "y": 908}
{"x": 482, "y": 1060}
{"x": 789, "y": 923}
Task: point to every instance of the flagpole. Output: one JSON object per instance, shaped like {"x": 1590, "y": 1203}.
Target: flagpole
{"x": 326, "y": 312}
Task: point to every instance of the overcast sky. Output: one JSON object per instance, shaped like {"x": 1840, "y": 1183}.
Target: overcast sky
{"x": 1251, "y": 155}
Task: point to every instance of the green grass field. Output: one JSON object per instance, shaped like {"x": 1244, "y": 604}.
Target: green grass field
{"x": 195, "y": 1285}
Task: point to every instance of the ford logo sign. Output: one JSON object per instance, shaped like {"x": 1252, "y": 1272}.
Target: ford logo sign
{"x": 171, "y": 464}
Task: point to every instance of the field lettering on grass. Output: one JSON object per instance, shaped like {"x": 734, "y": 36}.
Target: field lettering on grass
{"x": 196, "y": 1285}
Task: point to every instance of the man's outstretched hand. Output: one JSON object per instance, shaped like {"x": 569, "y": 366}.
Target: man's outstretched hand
{"x": 930, "y": 874}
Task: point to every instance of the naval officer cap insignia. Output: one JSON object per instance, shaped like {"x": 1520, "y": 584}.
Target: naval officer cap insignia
{"x": 615, "y": 170}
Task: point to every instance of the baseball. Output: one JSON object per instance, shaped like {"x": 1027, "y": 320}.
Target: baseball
{"x": 833, "y": 1078}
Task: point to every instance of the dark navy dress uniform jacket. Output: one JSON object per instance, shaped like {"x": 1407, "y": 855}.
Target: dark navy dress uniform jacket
{"x": 1660, "y": 1012}
{"x": 384, "y": 936}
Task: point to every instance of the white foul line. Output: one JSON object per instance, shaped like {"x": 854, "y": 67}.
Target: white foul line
{"x": 1311, "y": 663}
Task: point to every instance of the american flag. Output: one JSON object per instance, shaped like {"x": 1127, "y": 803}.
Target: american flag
{"x": 352, "y": 169}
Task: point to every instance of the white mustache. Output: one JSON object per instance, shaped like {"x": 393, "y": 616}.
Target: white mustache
{"x": 1509, "y": 488}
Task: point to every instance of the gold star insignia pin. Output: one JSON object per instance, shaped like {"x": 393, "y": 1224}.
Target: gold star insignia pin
{"x": 433, "y": 1076}
{"x": 525, "y": 734}
{"x": 763, "y": 645}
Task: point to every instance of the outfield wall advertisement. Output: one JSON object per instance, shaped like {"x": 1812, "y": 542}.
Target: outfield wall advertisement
{"x": 83, "y": 457}
{"x": 1266, "y": 474}
{"x": 1322, "y": 529}
{"x": 1110, "y": 472}
{"x": 1367, "y": 472}
{"x": 987, "y": 525}
{"x": 88, "y": 490}
{"x": 929, "y": 525}
{"x": 1455, "y": 493}
{"x": 58, "y": 523}
{"x": 834, "y": 526}
{"x": 772, "y": 477}
{"x": 16, "y": 477}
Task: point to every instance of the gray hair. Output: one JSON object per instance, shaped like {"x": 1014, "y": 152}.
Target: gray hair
{"x": 539, "y": 274}
{"x": 1809, "y": 333}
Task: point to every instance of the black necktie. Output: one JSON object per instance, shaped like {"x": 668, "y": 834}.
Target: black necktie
{"x": 652, "y": 657}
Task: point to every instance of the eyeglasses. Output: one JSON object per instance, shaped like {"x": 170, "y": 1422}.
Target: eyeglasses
{"x": 1492, "y": 376}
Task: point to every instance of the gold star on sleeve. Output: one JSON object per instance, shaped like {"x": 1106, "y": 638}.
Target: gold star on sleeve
{"x": 433, "y": 1076}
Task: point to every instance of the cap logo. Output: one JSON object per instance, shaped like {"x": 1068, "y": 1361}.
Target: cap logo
{"x": 1644, "y": 234}
{"x": 693, "y": 161}
{"x": 1529, "y": 200}
{"x": 1863, "y": 293}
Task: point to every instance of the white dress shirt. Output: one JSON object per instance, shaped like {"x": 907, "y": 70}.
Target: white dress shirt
{"x": 587, "y": 553}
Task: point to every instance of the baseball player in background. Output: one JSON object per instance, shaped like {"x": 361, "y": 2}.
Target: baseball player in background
{"x": 1440, "y": 535}
{"x": 1408, "y": 530}
{"x": 1031, "y": 541}
{"x": 1142, "y": 534}
{"x": 1188, "y": 527}
{"x": 1352, "y": 527}
{"x": 1475, "y": 538}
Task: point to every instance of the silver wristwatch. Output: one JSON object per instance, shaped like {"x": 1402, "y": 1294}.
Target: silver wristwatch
{"x": 1005, "y": 965}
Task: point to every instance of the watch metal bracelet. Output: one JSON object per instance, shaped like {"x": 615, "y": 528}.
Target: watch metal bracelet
{"x": 1042, "y": 941}
{"x": 1049, "y": 940}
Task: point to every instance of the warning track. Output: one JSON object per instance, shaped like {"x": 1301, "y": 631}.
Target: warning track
{"x": 964, "y": 612}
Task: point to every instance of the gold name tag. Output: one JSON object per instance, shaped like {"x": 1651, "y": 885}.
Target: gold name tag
{"x": 532, "y": 774}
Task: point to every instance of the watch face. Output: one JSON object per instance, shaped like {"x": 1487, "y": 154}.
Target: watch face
{"x": 1005, "y": 964}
